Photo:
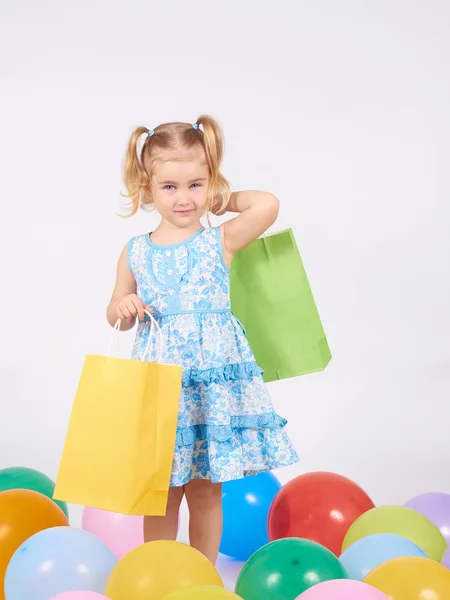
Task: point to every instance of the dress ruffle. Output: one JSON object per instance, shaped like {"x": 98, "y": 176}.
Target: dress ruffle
{"x": 221, "y": 374}
{"x": 247, "y": 452}
{"x": 187, "y": 436}
{"x": 242, "y": 444}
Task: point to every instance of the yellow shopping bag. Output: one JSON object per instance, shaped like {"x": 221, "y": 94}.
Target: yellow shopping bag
{"x": 120, "y": 442}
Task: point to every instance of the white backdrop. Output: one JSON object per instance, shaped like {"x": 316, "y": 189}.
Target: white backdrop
{"x": 339, "y": 108}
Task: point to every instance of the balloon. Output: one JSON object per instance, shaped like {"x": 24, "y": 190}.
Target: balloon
{"x": 446, "y": 558}
{"x": 22, "y": 514}
{"x": 121, "y": 533}
{"x": 285, "y": 568}
{"x": 367, "y": 553}
{"x": 343, "y": 589}
{"x": 79, "y": 595}
{"x": 436, "y": 508}
{"x": 246, "y": 503}
{"x": 24, "y": 478}
{"x": 202, "y": 592}
{"x": 411, "y": 578}
{"x": 154, "y": 569}
{"x": 402, "y": 521}
{"x": 319, "y": 507}
{"x": 58, "y": 560}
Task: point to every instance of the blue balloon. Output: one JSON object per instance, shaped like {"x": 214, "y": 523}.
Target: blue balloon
{"x": 369, "y": 552}
{"x": 246, "y": 503}
{"x": 55, "y": 560}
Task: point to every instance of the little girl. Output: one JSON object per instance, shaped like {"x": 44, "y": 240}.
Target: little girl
{"x": 227, "y": 427}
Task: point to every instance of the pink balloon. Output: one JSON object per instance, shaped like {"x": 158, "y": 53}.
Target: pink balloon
{"x": 80, "y": 595}
{"x": 121, "y": 533}
{"x": 342, "y": 589}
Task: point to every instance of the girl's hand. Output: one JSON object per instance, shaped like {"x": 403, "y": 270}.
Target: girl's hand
{"x": 131, "y": 306}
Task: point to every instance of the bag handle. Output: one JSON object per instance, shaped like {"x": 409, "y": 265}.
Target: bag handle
{"x": 154, "y": 324}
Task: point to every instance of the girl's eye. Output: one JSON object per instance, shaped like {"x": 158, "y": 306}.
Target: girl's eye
{"x": 197, "y": 184}
{"x": 166, "y": 187}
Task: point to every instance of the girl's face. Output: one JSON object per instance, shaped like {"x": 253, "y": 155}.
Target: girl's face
{"x": 179, "y": 186}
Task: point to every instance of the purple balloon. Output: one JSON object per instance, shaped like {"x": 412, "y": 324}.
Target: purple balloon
{"x": 446, "y": 558}
{"x": 436, "y": 507}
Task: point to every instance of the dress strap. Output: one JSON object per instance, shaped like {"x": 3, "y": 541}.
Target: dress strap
{"x": 220, "y": 248}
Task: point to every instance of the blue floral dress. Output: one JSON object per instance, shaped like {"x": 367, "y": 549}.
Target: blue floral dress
{"x": 227, "y": 427}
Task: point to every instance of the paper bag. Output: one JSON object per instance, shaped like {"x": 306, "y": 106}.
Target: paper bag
{"x": 120, "y": 443}
{"x": 270, "y": 294}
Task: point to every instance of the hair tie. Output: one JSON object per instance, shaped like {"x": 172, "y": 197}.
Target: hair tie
{"x": 195, "y": 126}
{"x": 151, "y": 132}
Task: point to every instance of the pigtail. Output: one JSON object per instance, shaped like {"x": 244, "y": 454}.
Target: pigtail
{"x": 219, "y": 192}
{"x": 135, "y": 177}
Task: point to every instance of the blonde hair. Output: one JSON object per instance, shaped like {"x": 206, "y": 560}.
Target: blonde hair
{"x": 137, "y": 172}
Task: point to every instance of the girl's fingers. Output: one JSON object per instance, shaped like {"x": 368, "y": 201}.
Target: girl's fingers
{"x": 139, "y": 308}
{"x": 133, "y": 306}
{"x": 130, "y": 307}
{"x": 126, "y": 312}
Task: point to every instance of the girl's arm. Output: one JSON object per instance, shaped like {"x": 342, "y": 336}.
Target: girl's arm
{"x": 124, "y": 303}
{"x": 259, "y": 210}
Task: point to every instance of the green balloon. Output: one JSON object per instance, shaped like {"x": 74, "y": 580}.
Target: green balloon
{"x": 400, "y": 520}
{"x": 22, "y": 478}
{"x": 283, "y": 569}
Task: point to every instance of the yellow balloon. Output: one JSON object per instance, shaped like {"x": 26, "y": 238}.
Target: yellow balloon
{"x": 402, "y": 521}
{"x": 411, "y": 578}
{"x": 155, "y": 569}
{"x": 202, "y": 592}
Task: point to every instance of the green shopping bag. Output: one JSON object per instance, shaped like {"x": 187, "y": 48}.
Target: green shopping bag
{"x": 270, "y": 294}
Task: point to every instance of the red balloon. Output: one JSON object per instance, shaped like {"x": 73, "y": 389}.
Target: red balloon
{"x": 318, "y": 507}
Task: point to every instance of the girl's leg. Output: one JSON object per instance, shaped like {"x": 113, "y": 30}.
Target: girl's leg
{"x": 165, "y": 528}
{"x": 205, "y": 507}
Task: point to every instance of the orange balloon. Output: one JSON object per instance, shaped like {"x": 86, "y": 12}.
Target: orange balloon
{"x": 22, "y": 514}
